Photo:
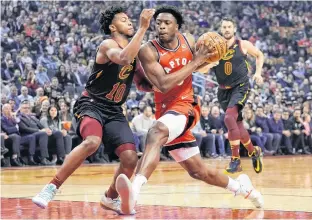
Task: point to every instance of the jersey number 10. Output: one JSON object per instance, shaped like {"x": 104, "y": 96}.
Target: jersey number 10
{"x": 228, "y": 68}
{"x": 117, "y": 92}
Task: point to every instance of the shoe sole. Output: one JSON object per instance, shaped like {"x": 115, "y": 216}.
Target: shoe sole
{"x": 123, "y": 187}
{"x": 260, "y": 162}
{"x": 39, "y": 204}
{"x": 239, "y": 171}
{"x": 107, "y": 208}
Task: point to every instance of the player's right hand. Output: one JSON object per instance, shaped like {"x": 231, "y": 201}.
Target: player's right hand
{"x": 145, "y": 17}
{"x": 203, "y": 53}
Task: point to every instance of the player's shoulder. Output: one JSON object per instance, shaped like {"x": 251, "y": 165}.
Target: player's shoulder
{"x": 148, "y": 50}
{"x": 109, "y": 43}
{"x": 245, "y": 43}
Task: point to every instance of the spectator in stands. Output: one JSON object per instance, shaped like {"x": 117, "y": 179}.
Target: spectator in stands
{"x": 4, "y": 150}
{"x": 297, "y": 131}
{"x": 286, "y": 138}
{"x": 31, "y": 83}
{"x": 205, "y": 125}
{"x": 141, "y": 124}
{"x": 307, "y": 131}
{"x": 276, "y": 128}
{"x": 62, "y": 140}
{"x": 79, "y": 79}
{"x": 14, "y": 96}
{"x": 65, "y": 115}
{"x": 30, "y": 125}
{"x": 8, "y": 73}
{"x": 41, "y": 75}
{"x": 142, "y": 105}
{"x": 132, "y": 101}
{"x": 215, "y": 122}
{"x": 45, "y": 104}
{"x": 261, "y": 121}
{"x": 9, "y": 124}
{"x": 24, "y": 96}
{"x": 55, "y": 85}
{"x": 255, "y": 132}
{"x": 205, "y": 141}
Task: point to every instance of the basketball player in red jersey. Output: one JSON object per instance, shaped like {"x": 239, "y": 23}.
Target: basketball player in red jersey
{"x": 232, "y": 75}
{"x": 98, "y": 111}
{"x": 169, "y": 62}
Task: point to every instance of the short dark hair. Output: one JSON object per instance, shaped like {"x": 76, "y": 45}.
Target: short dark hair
{"x": 229, "y": 19}
{"x": 171, "y": 10}
{"x": 107, "y": 17}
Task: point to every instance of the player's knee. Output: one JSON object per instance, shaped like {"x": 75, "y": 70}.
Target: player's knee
{"x": 157, "y": 132}
{"x": 129, "y": 159}
{"x": 203, "y": 174}
{"x": 92, "y": 143}
{"x": 231, "y": 115}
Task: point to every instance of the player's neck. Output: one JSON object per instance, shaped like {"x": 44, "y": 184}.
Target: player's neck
{"x": 170, "y": 45}
{"x": 121, "y": 39}
{"x": 230, "y": 42}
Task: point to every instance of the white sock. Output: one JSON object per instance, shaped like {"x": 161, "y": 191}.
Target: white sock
{"x": 137, "y": 183}
{"x": 233, "y": 185}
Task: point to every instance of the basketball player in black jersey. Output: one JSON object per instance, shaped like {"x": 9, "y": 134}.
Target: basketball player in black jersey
{"x": 98, "y": 111}
{"x": 232, "y": 75}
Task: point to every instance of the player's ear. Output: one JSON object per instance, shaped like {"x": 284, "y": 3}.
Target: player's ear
{"x": 235, "y": 29}
{"x": 177, "y": 27}
{"x": 112, "y": 28}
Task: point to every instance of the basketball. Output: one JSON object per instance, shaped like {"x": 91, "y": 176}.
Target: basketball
{"x": 213, "y": 39}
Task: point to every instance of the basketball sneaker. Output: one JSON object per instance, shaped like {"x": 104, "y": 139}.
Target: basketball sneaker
{"x": 124, "y": 189}
{"x": 234, "y": 166}
{"x": 256, "y": 157}
{"x": 43, "y": 198}
{"x": 112, "y": 204}
{"x": 248, "y": 191}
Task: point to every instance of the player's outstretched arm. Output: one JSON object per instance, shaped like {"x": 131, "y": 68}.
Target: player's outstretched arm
{"x": 249, "y": 48}
{"x": 156, "y": 73}
{"x": 110, "y": 49}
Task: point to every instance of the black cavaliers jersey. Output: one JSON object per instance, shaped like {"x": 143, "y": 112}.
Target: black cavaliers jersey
{"x": 110, "y": 83}
{"x": 233, "y": 67}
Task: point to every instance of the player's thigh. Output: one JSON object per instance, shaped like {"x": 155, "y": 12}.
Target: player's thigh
{"x": 117, "y": 133}
{"x": 193, "y": 165}
{"x": 239, "y": 95}
{"x": 175, "y": 122}
{"x": 223, "y": 98}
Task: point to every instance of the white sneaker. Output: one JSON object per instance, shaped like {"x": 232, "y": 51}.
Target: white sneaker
{"x": 124, "y": 189}
{"x": 248, "y": 191}
{"x": 112, "y": 204}
{"x": 43, "y": 198}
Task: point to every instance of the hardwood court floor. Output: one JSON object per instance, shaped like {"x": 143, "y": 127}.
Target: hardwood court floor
{"x": 286, "y": 183}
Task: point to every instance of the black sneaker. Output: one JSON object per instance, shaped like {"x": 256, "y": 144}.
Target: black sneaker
{"x": 256, "y": 157}
{"x": 234, "y": 166}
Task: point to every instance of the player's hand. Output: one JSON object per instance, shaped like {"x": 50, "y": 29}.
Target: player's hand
{"x": 203, "y": 52}
{"x": 145, "y": 17}
{"x": 258, "y": 79}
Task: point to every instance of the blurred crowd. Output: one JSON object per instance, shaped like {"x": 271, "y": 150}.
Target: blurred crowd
{"x": 48, "y": 50}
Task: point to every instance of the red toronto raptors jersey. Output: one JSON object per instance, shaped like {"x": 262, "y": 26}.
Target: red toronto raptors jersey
{"x": 171, "y": 61}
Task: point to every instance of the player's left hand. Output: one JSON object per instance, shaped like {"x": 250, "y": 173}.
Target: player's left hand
{"x": 258, "y": 79}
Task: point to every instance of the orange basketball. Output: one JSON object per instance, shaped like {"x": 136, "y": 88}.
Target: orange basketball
{"x": 213, "y": 39}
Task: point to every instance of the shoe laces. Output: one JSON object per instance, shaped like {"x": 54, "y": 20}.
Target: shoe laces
{"x": 48, "y": 193}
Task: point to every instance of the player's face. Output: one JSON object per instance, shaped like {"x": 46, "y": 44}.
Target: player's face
{"x": 123, "y": 25}
{"x": 227, "y": 29}
{"x": 166, "y": 27}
